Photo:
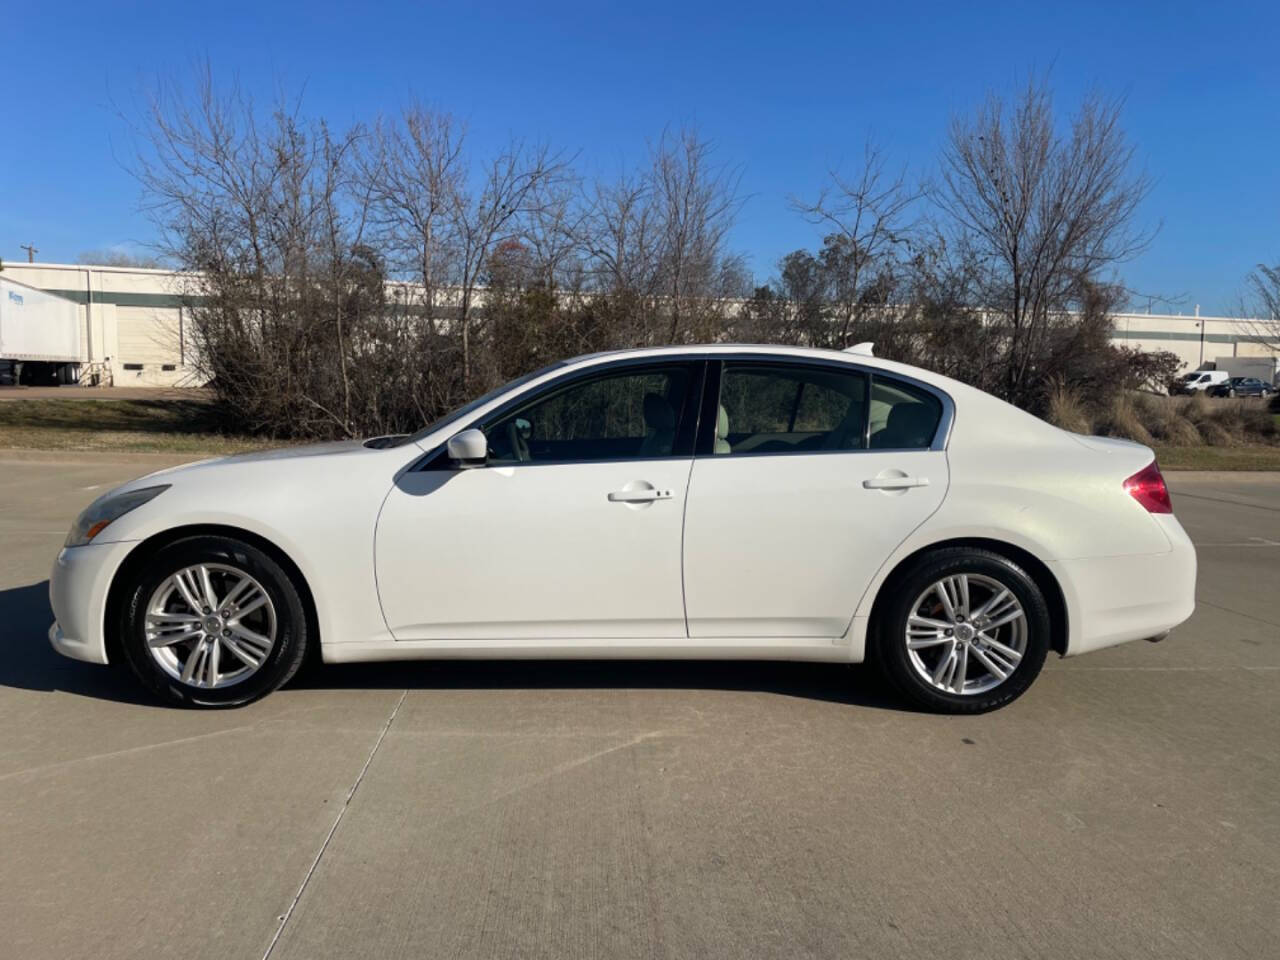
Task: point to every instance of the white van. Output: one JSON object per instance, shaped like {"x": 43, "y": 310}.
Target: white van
{"x": 1198, "y": 381}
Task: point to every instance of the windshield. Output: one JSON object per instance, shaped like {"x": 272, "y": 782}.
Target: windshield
{"x": 464, "y": 411}
{"x": 1188, "y": 378}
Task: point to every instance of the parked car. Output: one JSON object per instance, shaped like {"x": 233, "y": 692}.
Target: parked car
{"x": 1241, "y": 387}
{"x": 713, "y": 502}
{"x": 1198, "y": 381}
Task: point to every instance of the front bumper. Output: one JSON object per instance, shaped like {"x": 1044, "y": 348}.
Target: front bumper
{"x": 78, "y": 587}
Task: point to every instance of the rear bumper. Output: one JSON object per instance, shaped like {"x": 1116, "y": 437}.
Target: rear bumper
{"x": 1113, "y": 600}
{"x": 78, "y": 588}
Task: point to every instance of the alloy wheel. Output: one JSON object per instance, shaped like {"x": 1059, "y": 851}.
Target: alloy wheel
{"x": 966, "y": 634}
{"x": 210, "y": 625}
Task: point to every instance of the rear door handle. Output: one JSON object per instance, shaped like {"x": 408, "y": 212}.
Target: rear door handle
{"x": 639, "y": 496}
{"x": 895, "y": 483}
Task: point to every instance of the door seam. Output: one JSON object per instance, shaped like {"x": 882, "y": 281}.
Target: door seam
{"x": 684, "y": 520}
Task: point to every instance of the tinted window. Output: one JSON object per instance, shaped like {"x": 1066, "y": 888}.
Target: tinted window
{"x": 902, "y": 417}
{"x": 632, "y": 413}
{"x": 465, "y": 411}
{"x": 789, "y": 409}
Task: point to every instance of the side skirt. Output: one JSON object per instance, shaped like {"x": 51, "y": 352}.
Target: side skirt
{"x": 828, "y": 649}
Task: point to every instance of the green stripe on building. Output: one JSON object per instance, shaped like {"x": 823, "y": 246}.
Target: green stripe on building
{"x": 170, "y": 300}
{"x": 1170, "y": 335}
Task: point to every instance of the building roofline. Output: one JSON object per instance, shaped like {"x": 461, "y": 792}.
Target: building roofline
{"x": 178, "y": 273}
{"x": 99, "y": 268}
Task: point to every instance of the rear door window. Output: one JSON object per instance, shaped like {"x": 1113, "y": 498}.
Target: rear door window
{"x": 789, "y": 408}
{"x": 903, "y": 417}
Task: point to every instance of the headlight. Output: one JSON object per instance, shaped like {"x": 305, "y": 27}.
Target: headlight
{"x": 101, "y": 512}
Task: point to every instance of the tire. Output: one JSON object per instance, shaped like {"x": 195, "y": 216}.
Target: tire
{"x": 986, "y": 574}
{"x": 236, "y": 667}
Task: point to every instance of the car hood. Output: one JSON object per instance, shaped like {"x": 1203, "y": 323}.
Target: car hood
{"x": 281, "y": 456}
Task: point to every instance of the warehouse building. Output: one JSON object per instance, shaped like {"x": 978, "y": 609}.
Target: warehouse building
{"x": 134, "y": 331}
{"x": 132, "y": 327}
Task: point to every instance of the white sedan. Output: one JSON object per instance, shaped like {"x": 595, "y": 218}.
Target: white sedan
{"x": 720, "y": 502}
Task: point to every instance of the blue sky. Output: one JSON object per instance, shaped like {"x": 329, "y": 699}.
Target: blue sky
{"x": 786, "y": 90}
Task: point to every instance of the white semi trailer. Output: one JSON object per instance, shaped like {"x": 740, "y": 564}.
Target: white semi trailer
{"x": 39, "y": 335}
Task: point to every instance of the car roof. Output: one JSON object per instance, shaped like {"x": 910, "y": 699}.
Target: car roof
{"x": 713, "y": 349}
{"x": 706, "y": 350}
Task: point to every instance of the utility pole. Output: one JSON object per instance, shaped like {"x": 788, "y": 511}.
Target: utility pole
{"x": 31, "y": 252}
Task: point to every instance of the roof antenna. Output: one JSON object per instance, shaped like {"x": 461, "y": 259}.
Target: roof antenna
{"x": 863, "y": 349}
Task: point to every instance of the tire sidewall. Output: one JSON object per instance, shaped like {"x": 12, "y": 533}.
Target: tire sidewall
{"x": 890, "y": 645}
{"x": 291, "y": 622}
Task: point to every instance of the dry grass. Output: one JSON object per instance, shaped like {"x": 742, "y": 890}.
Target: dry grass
{"x": 1168, "y": 421}
{"x": 134, "y": 426}
{"x": 1068, "y": 410}
{"x": 1124, "y": 419}
{"x": 1188, "y": 433}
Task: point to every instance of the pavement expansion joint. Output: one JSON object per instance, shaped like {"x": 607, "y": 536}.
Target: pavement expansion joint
{"x": 302, "y": 888}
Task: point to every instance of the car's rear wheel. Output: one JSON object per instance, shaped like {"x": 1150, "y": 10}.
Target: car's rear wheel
{"x": 962, "y": 630}
{"x": 213, "y": 622}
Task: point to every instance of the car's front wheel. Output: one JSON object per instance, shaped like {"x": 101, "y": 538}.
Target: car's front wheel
{"x": 213, "y": 622}
{"x": 962, "y": 630}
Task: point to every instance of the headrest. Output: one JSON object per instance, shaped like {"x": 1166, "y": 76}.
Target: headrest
{"x": 722, "y": 424}
{"x": 911, "y": 424}
{"x": 658, "y": 414}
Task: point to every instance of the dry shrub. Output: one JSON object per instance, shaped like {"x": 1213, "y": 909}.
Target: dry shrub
{"x": 1230, "y": 421}
{"x": 1121, "y": 419}
{"x": 1215, "y": 434}
{"x": 1195, "y": 407}
{"x": 1164, "y": 420}
{"x": 1258, "y": 423}
{"x": 1068, "y": 410}
{"x": 1191, "y": 421}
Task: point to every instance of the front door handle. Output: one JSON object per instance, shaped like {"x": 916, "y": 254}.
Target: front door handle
{"x": 895, "y": 483}
{"x": 639, "y": 495}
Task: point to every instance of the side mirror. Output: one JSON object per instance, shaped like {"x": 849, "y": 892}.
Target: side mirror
{"x": 470, "y": 448}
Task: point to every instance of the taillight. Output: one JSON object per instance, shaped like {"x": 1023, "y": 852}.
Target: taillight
{"x": 1148, "y": 488}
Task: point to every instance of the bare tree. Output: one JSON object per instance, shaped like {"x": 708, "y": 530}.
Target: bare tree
{"x": 282, "y": 288}
{"x": 513, "y": 187}
{"x": 119, "y": 258}
{"x": 553, "y": 232}
{"x": 696, "y": 203}
{"x": 1262, "y": 305}
{"x": 1047, "y": 213}
{"x": 370, "y": 279}
{"x": 413, "y": 170}
{"x": 873, "y": 216}
{"x": 619, "y": 237}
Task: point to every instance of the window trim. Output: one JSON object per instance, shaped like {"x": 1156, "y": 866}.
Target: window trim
{"x": 705, "y": 443}
{"x": 687, "y": 418}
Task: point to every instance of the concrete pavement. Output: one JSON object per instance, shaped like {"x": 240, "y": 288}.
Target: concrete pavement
{"x": 1125, "y": 807}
